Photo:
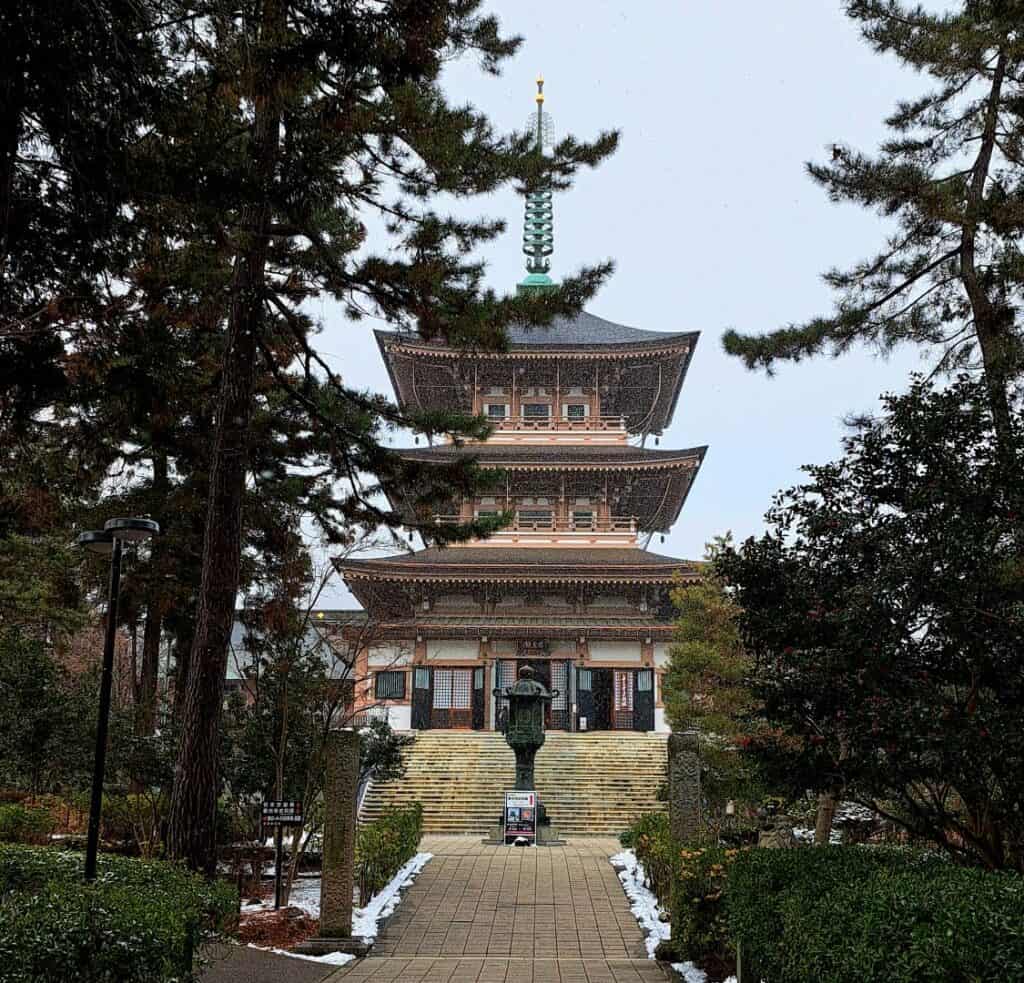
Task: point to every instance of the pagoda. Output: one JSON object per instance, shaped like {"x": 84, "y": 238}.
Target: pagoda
{"x": 568, "y": 587}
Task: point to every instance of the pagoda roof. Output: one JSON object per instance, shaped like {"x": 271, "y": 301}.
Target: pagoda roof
{"x": 518, "y": 564}
{"x": 557, "y": 456}
{"x": 584, "y": 331}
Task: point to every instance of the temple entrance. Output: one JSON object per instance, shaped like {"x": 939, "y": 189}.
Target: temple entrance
{"x": 446, "y": 698}
{"x": 615, "y": 699}
{"x": 553, "y": 673}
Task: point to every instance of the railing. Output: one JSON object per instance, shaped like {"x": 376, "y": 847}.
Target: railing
{"x": 615, "y": 523}
{"x": 559, "y": 423}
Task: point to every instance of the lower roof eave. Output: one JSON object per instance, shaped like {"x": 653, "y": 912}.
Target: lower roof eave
{"x": 408, "y": 630}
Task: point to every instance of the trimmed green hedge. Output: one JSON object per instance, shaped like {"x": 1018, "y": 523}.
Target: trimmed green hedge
{"x": 383, "y": 846}
{"x": 140, "y": 922}
{"x": 836, "y": 914}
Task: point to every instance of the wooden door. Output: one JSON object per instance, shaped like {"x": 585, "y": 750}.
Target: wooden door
{"x": 643, "y": 703}
{"x": 453, "y": 701}
{"x": 422, "y": 697}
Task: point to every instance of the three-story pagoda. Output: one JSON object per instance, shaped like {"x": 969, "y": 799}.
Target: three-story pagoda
{"x": 569, "y": 586}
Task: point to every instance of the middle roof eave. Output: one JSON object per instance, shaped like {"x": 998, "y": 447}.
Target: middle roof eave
{"x": 556, "y": 456}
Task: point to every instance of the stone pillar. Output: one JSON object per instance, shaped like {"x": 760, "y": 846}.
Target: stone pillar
{"x": 340, "y": 786}
{"x": 684, "y": 785}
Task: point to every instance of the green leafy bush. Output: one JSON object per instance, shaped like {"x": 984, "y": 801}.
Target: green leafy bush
{"x": 383, "y": 846}
{"x": 831, "y": 915}
{"x": 25, "y": 824}
{"x": 700, "y": 927}
{"x": 140, "y": 922}
{"x": 689, "y": 881}
{"x": 651, "y": 841}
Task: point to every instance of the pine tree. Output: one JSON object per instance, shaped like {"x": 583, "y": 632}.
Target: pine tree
{"x": 952, "y": 177}
{"x": 297, "y": 121}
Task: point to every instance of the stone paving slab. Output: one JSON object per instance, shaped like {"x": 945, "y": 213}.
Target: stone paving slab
{"x": 241, "y": 964}
{"x": 486, "y": 914}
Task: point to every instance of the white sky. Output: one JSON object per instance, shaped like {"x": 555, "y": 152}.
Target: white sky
{"x": 705, "y": 209}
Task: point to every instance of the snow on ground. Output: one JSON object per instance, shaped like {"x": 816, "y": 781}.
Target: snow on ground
{"x": 331, "y": 959}
{"x": 365, "y": 921}
{"x": 647, "y": 911}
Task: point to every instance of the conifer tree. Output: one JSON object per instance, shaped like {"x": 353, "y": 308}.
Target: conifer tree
{"x": 951, "y": 176}
{"x": 297, "y": 121}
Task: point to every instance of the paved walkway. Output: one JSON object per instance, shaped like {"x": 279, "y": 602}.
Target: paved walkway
{"x": 484, "y": 914}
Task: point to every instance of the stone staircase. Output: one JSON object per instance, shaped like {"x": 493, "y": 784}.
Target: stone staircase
{"x": 592, "y": 784}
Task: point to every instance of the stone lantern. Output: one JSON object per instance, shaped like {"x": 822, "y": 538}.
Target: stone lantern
{"x": 524, "y": 732}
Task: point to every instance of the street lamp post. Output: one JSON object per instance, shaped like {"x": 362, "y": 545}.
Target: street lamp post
{"x": 108, "y": 540}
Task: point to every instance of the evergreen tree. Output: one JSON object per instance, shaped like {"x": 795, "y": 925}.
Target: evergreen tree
{"x": 884, "y": 610}
{"x": 297, "y": 121}
{"x": 952, "y": 177}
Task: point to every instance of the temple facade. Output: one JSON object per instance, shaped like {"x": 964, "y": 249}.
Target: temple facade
{"x": 569, "y": 586}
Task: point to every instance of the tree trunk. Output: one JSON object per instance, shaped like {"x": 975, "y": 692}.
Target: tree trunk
{"x": 145, "y": 712}
{"x": 827, "y": 802}
{"x": 194, "y": 801}
{"x": 993, "y": 320}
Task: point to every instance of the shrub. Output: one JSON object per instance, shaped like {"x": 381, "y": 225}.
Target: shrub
{"x": 650, "y": 839}
{"x": 383, "y": 846}
{"x": 25, "y": 824}
{"x": 700, "y": 926}
{"x": 140, "y": 922}
{"x": 831, "y": 915}
{"x": 689, "y": 882}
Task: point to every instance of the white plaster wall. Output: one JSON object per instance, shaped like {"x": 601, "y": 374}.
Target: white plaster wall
{"x": 389, "y": 656}
{"x": 661, "y": 654}
{"x": 444, "y": 650}
{"x": 660, "y": 723}
{"x": 400, "y": 717}
{"x": 615, "y": 651}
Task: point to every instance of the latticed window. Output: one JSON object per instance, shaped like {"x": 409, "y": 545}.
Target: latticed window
{"x": 452, "y": 689}
{"x": 506, "y": 674}
{"x": 536, "y": 411}
{"x": 389, "y": 685}
{"x": 560, "y": 682}
{"x": 576, "y": 411}
{"x": 442, "y": 689}
{"x": 497, "y": 411}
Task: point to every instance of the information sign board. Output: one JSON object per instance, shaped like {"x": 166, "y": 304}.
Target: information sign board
{"x": 520, "y": 816}
{"x": 282, "y": 813}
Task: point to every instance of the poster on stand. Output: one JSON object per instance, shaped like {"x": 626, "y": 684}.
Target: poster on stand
{"x": 520, "y": 816}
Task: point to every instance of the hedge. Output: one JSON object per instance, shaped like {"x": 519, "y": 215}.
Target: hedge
{"x": 835, "y": 914}
{"x": 139, "y": 922}
{"x": 689, "y": 881}
{"x": 383, "y": 846}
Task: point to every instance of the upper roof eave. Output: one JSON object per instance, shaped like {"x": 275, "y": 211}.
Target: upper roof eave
{"x": 654, "y": 341}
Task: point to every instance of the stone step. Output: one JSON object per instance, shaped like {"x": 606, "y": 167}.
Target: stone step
{"x": 595, "y": 783}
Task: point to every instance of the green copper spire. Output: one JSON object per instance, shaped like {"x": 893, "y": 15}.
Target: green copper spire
{"x": 539, "y": 226}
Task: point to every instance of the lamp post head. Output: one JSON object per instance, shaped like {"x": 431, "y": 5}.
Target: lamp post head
{"x": 96, "y": 541}
{"x": 132, "y": 530}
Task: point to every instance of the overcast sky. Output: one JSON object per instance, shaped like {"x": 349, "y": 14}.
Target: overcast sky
{"x": 706, "y": 211}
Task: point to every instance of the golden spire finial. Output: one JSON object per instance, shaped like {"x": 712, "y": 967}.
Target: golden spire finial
{"x": 540, "y": 88}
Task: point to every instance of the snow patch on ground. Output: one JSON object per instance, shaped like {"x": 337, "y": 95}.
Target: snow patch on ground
{"x": 331, "y": 959}
{"x": 645, "y": 908}
{"x": 365, "y": 920}
{"x": 806, "y": 835}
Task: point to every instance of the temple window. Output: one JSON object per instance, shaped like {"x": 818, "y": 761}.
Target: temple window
{"x": 536, "y": 411}
{"x": 496, "y": 411}
{"x": 389, "y": 686}
{"x": 576, "y": 411}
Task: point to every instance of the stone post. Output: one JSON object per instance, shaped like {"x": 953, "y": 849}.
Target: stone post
{"x": 341, "y": 782}
{"x": 684, "y": 785}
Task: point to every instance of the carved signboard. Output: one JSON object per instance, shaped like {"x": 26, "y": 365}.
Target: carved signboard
{"x": 533, "y": 647}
